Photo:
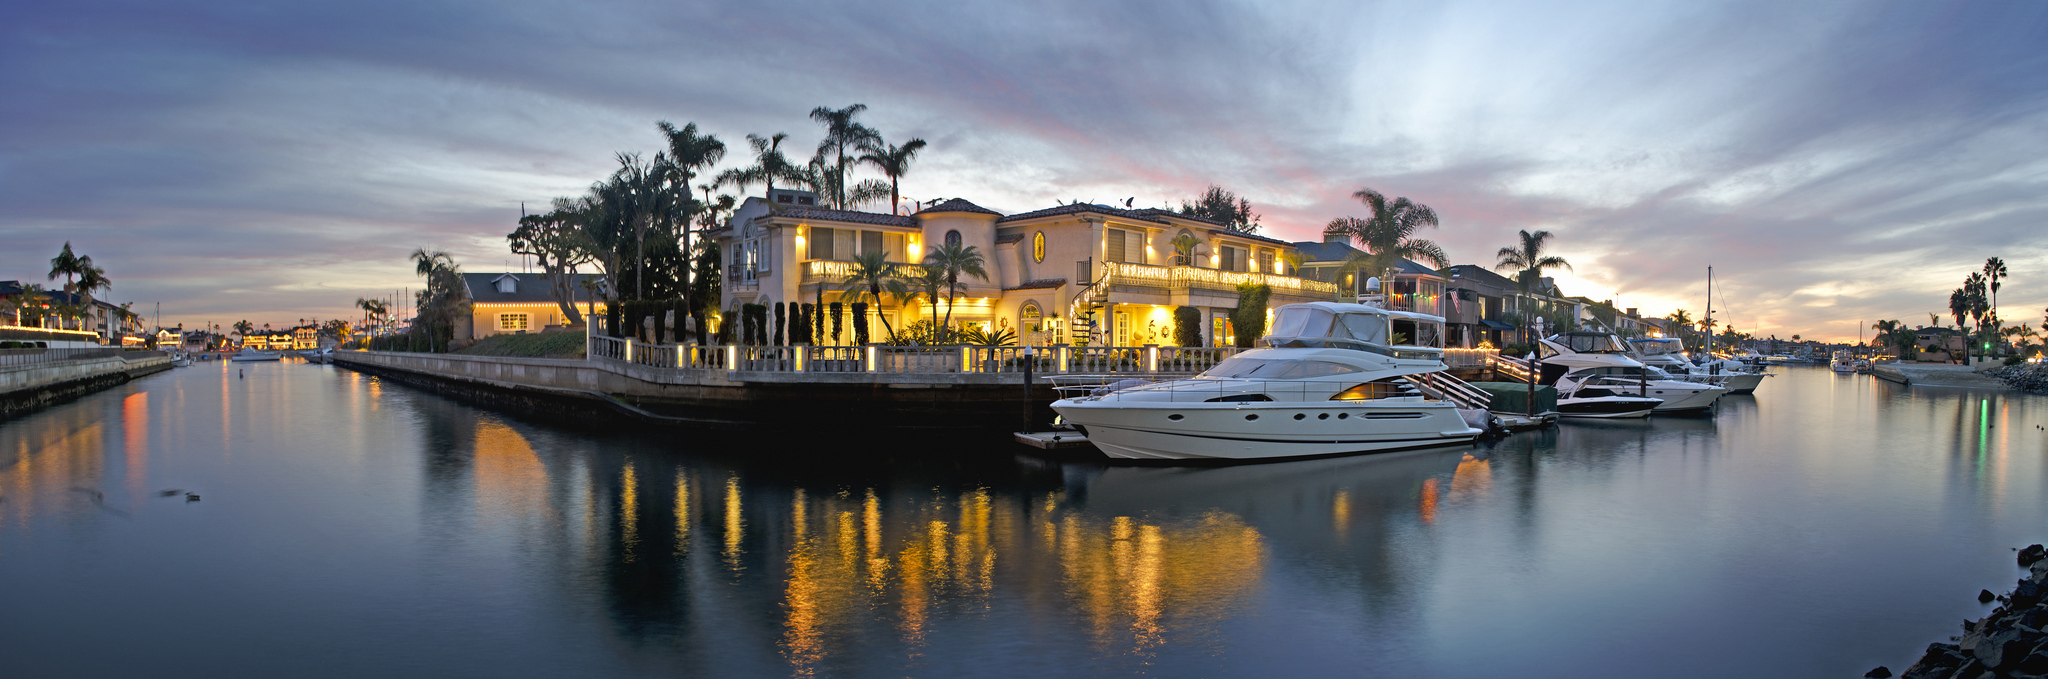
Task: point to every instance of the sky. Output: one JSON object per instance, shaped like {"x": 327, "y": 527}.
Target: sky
{"x": 1836, "y": 163}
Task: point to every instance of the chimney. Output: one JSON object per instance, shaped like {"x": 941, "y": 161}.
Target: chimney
{"x": 1632, "y": 312}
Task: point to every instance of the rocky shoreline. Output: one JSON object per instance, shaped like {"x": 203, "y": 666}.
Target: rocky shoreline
{"x": 2028, "y": 377}
{"x": 2008, "y": 643}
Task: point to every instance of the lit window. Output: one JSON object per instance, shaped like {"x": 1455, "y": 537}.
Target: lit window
{"x": 1038, "y": 247}
{"x": 511, "y": 321}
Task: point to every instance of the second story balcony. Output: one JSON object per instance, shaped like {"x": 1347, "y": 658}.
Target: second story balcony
{"x": 1181, "y": 279}
{"x": 834, "y": 271}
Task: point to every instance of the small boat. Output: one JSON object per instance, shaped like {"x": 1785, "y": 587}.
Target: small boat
{"x": 247, "y": 354}
{"x": 1669, "y": 355}
{"x": 1576, "y": 400}
{"x": 1843, "y": 363}
{"x": 1331, "y": 381}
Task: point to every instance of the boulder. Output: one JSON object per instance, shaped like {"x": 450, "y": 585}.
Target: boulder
{"x": 1880, "y": 672}
{"x": 1984, "y": 596}
{"x": 2032, "y": 554}
{"x": 1940, "y": 661}
{"x": 2001, "y": 648}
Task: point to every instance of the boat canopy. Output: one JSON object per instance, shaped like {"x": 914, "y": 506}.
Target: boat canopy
{"x": 1588, "y": 342}
{"x": 1353, "y": 326}
{"x": 1657, "y": 346}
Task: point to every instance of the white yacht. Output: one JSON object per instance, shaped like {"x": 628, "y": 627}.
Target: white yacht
{"x": 1668, "y": 354}
{"x": 1577, "y": 400}
{"x": 1843, "y": 362}
{"x": 1335, "y": 379}
{"x": 1602, "y": 354}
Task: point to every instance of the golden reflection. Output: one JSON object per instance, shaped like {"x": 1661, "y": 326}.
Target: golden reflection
{"x": 1471, "y": 480}
{"x": 1136, "y": 584}
{"x": 629, "y": 511}
{"x": 511, "y": 482}
{"x": 46, "y": 463}
{"x": 1429, "y": 499}
{"x": 135, "y": 439}
{"x": 733, "y": 525}
{"x": 1340, "y": 512}
{"x": 682, "y": 514}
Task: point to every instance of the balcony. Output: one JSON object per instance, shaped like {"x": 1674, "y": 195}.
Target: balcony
{"x": 834, "y": 271}
{"x": 1185, "y": 278}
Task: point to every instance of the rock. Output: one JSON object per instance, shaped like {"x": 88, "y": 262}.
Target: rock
{"x": 1984, "y": 596}
{"x": 1880, "y": 672}
{"x": 2034, "y": 663}
{"x": 1940, "y": 661}
{"x": 2032, "y": 554}
{"x": 2000, "y": 648}
{"x": 2025, "y": 594}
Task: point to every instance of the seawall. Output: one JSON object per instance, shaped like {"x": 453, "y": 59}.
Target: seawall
{"x": 825, "y": 404}
{"x": 1935, "y": 375}
{"x": 25, "y": 388}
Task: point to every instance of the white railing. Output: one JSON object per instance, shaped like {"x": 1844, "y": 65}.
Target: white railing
{"x": 1184, "y": 277}
{"x": 1469, "y": 358}
{"x": 1146, "y": 360}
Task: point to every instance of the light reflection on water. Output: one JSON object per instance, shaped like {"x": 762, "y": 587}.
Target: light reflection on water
{"x": 352, "y": 527}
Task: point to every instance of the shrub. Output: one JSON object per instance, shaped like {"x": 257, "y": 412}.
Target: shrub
{"x": 1002, "y": 337}
{"x": 781, "y": 322}
{"x": 1187, "y": 326}
{"x": 860, "y": 324}
{"x": 1249, "y": 320}
{"x": 837, "y": 308}
{"x": 923, "y": 333}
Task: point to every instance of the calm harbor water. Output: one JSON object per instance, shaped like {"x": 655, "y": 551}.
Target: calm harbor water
{"x": 351, "y": 527}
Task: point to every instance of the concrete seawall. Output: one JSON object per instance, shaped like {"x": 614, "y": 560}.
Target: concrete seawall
{"x": 24, "y": 388}
{"x": 827, "y": 403}
{"x": 1935, "y": 375}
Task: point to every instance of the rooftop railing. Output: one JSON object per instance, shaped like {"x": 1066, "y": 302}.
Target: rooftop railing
{"x": 906, "y": 360}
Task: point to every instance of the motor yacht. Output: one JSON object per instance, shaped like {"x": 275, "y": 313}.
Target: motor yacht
{"x": 1333, "y": 379}
{"x": 1602, "y": 353}
{"x": 1668, "y": 354}
{"x": 1577, "y": 400}
{"x": 247, "y": 354}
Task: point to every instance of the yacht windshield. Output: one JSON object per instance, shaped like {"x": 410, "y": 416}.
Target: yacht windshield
{"x": 1368, "y": 328}
{"x": 1655, "y": 347}
{"x": 1275, "y": 369}
{"x": 1590, "y": 343}
{"x": 1417, "y": 333}
{"x": 1301, "y": 321}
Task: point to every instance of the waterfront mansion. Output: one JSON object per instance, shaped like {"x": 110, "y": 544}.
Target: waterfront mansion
{"x": 1074, "y": 274}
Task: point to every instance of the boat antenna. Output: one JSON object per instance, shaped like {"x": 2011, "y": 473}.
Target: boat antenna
{"x": 1710, "y": 309}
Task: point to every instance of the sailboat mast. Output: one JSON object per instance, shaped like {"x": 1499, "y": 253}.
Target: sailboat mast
{"x": 1710, "y": 310}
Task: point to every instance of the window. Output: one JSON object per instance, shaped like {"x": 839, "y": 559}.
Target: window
{"x": 510, "y": 322}
{"x": 1185, "y": 239}
{"x": 806, "y": 200}
{"x": 784, "y": 198}
{"x": 1028, "y": 317}
{"x": 508, "y": 284}
{"x": 842, "y": 243}
{"x": 1125, "y": 245}
{"x": 1038, "y": 247}
{"x": 1266, "y": 261}
{"x": 1233, "y": 258}
{"x": 820, "y": 243}
{"x": 870, "y": 241}
{"x": 953, "y": 238}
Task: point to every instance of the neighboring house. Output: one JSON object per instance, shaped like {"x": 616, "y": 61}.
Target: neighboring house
{"x": 1477, "y": 302}
{"x": 1069, "y": 274}
{"x": 305, "y": 337}
{"x": 516, "y": 303}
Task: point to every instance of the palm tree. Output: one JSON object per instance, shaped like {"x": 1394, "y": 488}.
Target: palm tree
{"x": 1527, "y": 260}
{"x": 1994, "y": 269}
{"x": 871, "y": 275}
{"x": 822, "y": 178}
{"x": 1184, "y": 246}
{"x": 769, "y": 164}
{"x": 1388, "y": 235}
{"x": 244, "y": 327}
{"x": 90, "y": 279}
{"x": 67, "y": 265}
{"x": 842, "y": 134}
{"x": 689, "y": 154}
{"x": 953, "y": 260}
{"x": 893, "y": 162}
{"x": 1681, "y": 320}
{"x": 1888, "y": 332}
{"x": 444, "y": 295}
{"x": 927, "y": 283}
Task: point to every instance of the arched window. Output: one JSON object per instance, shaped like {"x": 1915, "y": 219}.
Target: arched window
{"x": 1184, "y": 248}
{"x": 1038, "y": 247}
{"x": 953, "y": 238}
{"x": 1028, "y": 317}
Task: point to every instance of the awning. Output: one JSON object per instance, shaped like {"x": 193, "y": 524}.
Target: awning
{"x": 1496, "y": 325}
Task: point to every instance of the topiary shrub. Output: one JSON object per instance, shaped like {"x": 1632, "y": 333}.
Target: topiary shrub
{"x": 837, "y": 313}
{"x": 781, "y": 322}
{"x": 860, "y": 324}
{"x": 1187, "y": 326}
{"x": 1249, "y": 320}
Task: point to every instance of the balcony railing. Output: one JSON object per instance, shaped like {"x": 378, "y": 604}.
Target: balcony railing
{"x": 835, "y": 270}
{"x": 1193, "y": 277}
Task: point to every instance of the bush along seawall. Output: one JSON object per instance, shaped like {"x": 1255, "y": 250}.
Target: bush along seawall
{"x": 2008, "y": 643}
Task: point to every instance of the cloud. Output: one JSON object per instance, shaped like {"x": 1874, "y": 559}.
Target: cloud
{"x": 1835, "y": 163}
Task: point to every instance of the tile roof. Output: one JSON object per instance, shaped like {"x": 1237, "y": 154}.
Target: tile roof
{"x": 1012, "y": 238}
{"x": 1316, "y": 251}
{"x": 958, "y": 205}
{"x": 1040, "y": 284}
{"x": 851, "y": 216}
{"x": 1478, "y": 274}
{"x": 531, "y": 288}
{"x": 1073, "y": 209}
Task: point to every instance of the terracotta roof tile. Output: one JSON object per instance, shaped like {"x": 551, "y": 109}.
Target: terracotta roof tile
{"x": 830, "y": 215}
{"x": 958, "y": 205}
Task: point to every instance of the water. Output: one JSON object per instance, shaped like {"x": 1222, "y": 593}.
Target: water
{"x": 351, "y": 527}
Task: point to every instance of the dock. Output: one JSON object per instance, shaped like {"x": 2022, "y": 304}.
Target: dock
{"x": 1052, "y": 440}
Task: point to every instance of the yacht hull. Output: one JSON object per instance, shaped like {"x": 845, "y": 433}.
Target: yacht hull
{"x": 1605, "y": 408}
{"x": 1263, "y": 430}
